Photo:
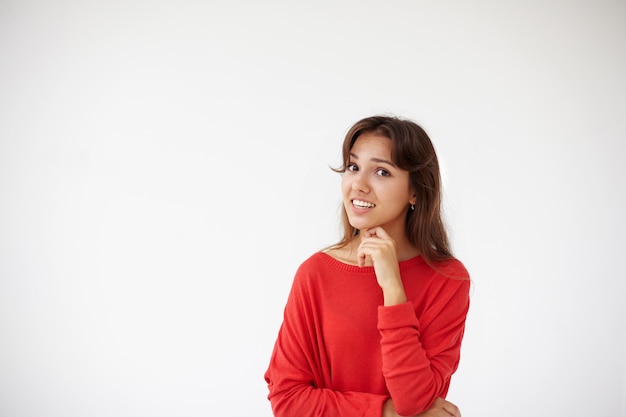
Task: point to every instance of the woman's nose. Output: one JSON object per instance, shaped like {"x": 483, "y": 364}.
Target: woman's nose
{"x": 360, "y": 185}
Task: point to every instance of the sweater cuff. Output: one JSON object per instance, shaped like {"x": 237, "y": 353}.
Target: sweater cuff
{"x": 397, "y": 316}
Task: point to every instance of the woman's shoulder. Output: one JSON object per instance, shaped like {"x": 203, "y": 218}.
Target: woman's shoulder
{"x": 314, "y": 273}
{"x": 314, "y": 265}
{"x": 313, "y": 261}
{"x": 451, "y": 268}
{"x": 450, "y": 276}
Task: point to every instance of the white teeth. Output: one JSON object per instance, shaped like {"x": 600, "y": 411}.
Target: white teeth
{"x": 363, "y": 204}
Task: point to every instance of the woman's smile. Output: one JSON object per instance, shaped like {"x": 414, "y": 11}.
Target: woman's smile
{"x": 361, "y": 204}
{"x": 376, "y": 192}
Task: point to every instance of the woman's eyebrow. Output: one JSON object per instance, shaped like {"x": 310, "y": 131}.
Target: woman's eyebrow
{"x": 377, "y": 160}
{"x": 383, "y": 161}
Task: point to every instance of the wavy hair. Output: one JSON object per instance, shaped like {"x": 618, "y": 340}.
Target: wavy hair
{"x": 412, "y": 151}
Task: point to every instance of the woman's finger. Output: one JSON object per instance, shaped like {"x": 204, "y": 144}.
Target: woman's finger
{"x": 379, "y": 232}
{"x": 447, "y": 406}
{"x": 452, "y": 409}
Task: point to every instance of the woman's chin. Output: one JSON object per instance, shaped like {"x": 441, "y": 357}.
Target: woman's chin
{"x": 361, "y": 225}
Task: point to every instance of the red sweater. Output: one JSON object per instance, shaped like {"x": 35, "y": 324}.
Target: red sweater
{"x": 340, "y": 352}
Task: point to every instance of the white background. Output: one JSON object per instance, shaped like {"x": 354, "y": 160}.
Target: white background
{"x": 164, "y": 169}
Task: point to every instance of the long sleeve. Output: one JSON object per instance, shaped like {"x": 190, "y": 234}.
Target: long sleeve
{"x": 299, "y": 374}
{"x": 420, "y": 355}
{"x": 340, "y": 353}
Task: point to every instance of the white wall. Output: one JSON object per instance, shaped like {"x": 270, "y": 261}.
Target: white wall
{"x": 164, "y": 170}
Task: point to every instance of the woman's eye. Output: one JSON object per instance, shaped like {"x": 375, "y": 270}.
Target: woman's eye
{"x": 382, "y": 172}
{"x": 352, "y": 167}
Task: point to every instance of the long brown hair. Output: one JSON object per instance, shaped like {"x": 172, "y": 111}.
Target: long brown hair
{"x": 412, "y": 151}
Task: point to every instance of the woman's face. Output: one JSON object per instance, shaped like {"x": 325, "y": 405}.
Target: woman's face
{"x": 375, "y": 191}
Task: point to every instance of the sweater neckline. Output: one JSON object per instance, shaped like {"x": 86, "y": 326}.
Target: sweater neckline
{"x": 336, "y": 263}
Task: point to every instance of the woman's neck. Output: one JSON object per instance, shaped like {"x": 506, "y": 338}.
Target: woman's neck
{"x": 348, "y": 252}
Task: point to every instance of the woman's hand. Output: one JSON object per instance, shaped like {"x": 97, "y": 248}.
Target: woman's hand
{"x": 381, "y": 249}
{"x": 439, "y": 408}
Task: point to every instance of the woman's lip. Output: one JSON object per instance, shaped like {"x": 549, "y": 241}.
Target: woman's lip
{"x": 367, "y": 205}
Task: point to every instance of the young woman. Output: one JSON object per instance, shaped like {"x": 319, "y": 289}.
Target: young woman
{"x": 373, "y": 325}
